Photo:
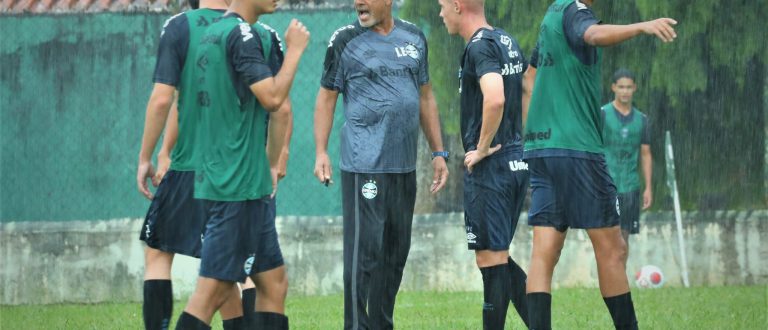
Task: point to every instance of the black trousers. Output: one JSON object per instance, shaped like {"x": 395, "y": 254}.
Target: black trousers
{"x": 378, "y": 213}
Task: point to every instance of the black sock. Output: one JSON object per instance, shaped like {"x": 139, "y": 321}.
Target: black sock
{"x": 622, "y": 311}
{"x": 249, "y": 301}
{"x": 517, "y": 295}
{"x": 269, "y": 321}
{"x": 158, "y": 304}
{"x": 539, "y": 310}
{"x": 188, "y": 322}
{"x": 496, "y": 291}
{"x": 236, "y": 323}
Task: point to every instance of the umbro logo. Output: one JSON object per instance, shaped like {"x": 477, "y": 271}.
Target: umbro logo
{"x": 471, "y": 238}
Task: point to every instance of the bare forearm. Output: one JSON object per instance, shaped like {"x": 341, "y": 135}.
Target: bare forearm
{"x": 288, "y": 128}
{"x": 278, "y": 128}
{"x": 430, "y": 125}
{"x": 324, "y": 110}
{"x": 493, "y": 112}
{"x": 284, "y": 78}
{"x": 157, "y": 112}
{"x": 528, "y": 81}
{"x": 171, "y": 131}
{"x": 647, "y": 164}
{"x": 609, "y": 35}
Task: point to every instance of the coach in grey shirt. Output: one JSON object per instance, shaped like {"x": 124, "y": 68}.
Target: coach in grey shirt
{"x": 379, "y": 64}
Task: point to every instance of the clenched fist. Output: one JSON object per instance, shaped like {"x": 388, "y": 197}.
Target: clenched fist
{"x": 296, "y": 36}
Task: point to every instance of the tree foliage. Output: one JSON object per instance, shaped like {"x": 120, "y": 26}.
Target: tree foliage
{"x": 707, "y": 87}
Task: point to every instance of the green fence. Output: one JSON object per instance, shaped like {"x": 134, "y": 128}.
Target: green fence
{"x": 74, "y": 90}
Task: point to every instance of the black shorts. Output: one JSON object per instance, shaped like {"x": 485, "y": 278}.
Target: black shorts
{"x": 231, "y": 241}
{"x": 570, "y": 192}
{"x": 175, "y": 220}
{"x": 493, "y": 197}
{"x": 270, "y": 255}
{"x": 629, "y": 204}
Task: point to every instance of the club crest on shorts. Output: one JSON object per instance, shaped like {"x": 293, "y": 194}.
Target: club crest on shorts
{"x": 370, "y": 190}
{"x": 618, "y": 210}
{"x": 249, "y": 264}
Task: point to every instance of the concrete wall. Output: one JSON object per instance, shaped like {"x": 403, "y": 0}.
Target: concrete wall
{"x": 95, "y": 261}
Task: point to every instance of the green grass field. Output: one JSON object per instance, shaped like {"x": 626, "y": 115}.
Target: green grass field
{"x": 667, "y": 308}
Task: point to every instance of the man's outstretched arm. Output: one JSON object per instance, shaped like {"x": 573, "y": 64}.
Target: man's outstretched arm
{"x": 603, "y": 35}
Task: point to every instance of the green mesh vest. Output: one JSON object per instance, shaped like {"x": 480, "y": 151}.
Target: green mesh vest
{"x": 622, "y": 148}
{"x": 234, "y": 165}
{"x": 565, "y": 111}
{"x": 183, "y": 157}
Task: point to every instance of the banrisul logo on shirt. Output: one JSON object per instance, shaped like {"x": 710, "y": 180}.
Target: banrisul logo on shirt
{"x": 370, "y": 190}
{"x": 511, "y": 68}
{"x": 408, "y": 50}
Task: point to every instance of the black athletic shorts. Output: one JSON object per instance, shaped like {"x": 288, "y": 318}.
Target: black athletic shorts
{"x": 493, "y": 198}
{"x": 175, "y": 220}
{"x": 629, "y": 204}
{"x": 571, "y": 192}
{"x": 270, "y": 255}
{"x": 232, "y": 239}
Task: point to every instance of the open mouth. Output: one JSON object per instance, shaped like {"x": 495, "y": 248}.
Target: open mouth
{"x": 363, "y": 14}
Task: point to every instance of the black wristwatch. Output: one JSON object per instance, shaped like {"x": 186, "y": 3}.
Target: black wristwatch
{"x": 443, "y": 154}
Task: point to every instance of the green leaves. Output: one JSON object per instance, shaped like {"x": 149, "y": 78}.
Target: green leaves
{"x": 711, "y": 80}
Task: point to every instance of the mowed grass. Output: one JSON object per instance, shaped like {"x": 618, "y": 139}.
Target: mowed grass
{"x": 737, "y": 307}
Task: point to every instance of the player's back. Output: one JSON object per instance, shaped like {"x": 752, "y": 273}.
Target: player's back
{"x": 190, "y": 27}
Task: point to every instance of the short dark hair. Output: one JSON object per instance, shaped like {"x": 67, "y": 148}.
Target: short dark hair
{"x": 623, "y": 73}
{"x": 194, "y": 4}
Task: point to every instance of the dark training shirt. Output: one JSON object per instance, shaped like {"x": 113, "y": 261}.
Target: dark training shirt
{"x": 492, "y": 51}
{"x": 380, "y": 78}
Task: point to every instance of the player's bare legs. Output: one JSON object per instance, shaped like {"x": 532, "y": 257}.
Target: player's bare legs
{"x": 268, "y": 309}
{"x": 210, "y": 294}
{"x": 488, "y": 258}
{"x": 547, "y": 244}
{"x": 611, "y": 254}
{"x": 157, "y": 264}
{"x": 271, "y": 290}
{"x": 625, "y": 236}
{"x": 232, "y": 310}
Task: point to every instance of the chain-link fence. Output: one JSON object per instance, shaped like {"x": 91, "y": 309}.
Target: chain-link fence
{"x": 74, "y": 93}
{"x": 74, "y": 89}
